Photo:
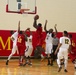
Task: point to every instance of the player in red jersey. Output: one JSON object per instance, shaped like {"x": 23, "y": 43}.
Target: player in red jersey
{"x": 39, "y": 35}
{"x": 21, "y": 46}
{"x": 72, "y": 53}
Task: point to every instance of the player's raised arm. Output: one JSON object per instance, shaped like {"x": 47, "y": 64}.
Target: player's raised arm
{"x": 55, "y": 29}
{"x": 30, "y": 31}
{"x": 24, "y": 33}
{"x": 45, "y": 26}
{"x": 18, "y": 26}
{"x": 35, "y": 24}
{"x": 35, "y": 21}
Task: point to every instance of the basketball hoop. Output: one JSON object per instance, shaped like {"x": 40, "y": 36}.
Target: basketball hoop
{"x": 24, "y": 12}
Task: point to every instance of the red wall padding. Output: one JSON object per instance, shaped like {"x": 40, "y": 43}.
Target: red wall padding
{"x": 6, "y": 43}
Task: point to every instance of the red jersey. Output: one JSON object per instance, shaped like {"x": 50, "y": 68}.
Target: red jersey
{"x": 21, "y": 40}
{"x": 72, "y": 54}
{"x": 39, "y": 32}
{"x": 21, "y": 44}
{"x": 39, "y": 36}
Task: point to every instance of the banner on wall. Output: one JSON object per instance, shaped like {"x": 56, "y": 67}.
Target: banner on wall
{"x": 6, "y": 43}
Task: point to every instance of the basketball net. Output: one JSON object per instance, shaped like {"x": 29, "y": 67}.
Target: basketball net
{"x": 24, "y": 14}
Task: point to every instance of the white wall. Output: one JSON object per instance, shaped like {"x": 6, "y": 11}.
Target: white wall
{"x": 60, "y": 12}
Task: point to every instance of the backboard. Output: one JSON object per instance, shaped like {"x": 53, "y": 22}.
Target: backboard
{"x": 14, "y": 6}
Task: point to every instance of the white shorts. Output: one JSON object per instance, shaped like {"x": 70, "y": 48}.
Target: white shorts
{"x": 14, "y": 49}
{"x": 28, "y": 51}
{"x": 48, "y": 49}
{"x": 63, "y": 53}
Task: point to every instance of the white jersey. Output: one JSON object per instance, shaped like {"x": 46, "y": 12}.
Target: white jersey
{"x": 49, "y": 38}
{"x": 15, "y": 35}
{"x": 65, "y": 41}
{"x": 29, "y": 47}
{"x": 29, "y": 41}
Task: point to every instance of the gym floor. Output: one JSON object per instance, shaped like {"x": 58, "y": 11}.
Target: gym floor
{"x": 37, "y": 68}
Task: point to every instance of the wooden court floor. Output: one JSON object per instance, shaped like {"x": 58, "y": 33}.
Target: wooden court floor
{"x": 37, "y": 68}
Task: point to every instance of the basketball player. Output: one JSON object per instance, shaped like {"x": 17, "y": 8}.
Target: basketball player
{"x": 72, "y": 53}
{"x": 21, "y": 46}
{"x": 49, "y": 41}
{"x": 29, "y": 47}
{"x": 63, "y": 47}
{"x": 39, "y": 37}
{"x": 14, "y": 39}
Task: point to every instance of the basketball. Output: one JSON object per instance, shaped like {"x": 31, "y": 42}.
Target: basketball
{"x": 36, "y": 17}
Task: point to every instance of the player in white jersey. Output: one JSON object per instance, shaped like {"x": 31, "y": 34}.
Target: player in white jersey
{"x": 14, "y": 40}
{"x": 48, "y": 41}
{"x": 63, "y": 47}
{"x": 49, "y": 45}
{"x": 29, "y": 47}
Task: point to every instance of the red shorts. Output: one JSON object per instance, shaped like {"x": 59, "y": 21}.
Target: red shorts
{"x": 72, "y": 55}
{"x": 21, "y": 50}
{"x": 39, "y": 41}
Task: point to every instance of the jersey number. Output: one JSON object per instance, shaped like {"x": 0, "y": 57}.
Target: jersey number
{"x": 66, "y": 41}
{"x": 19, "y": 39}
